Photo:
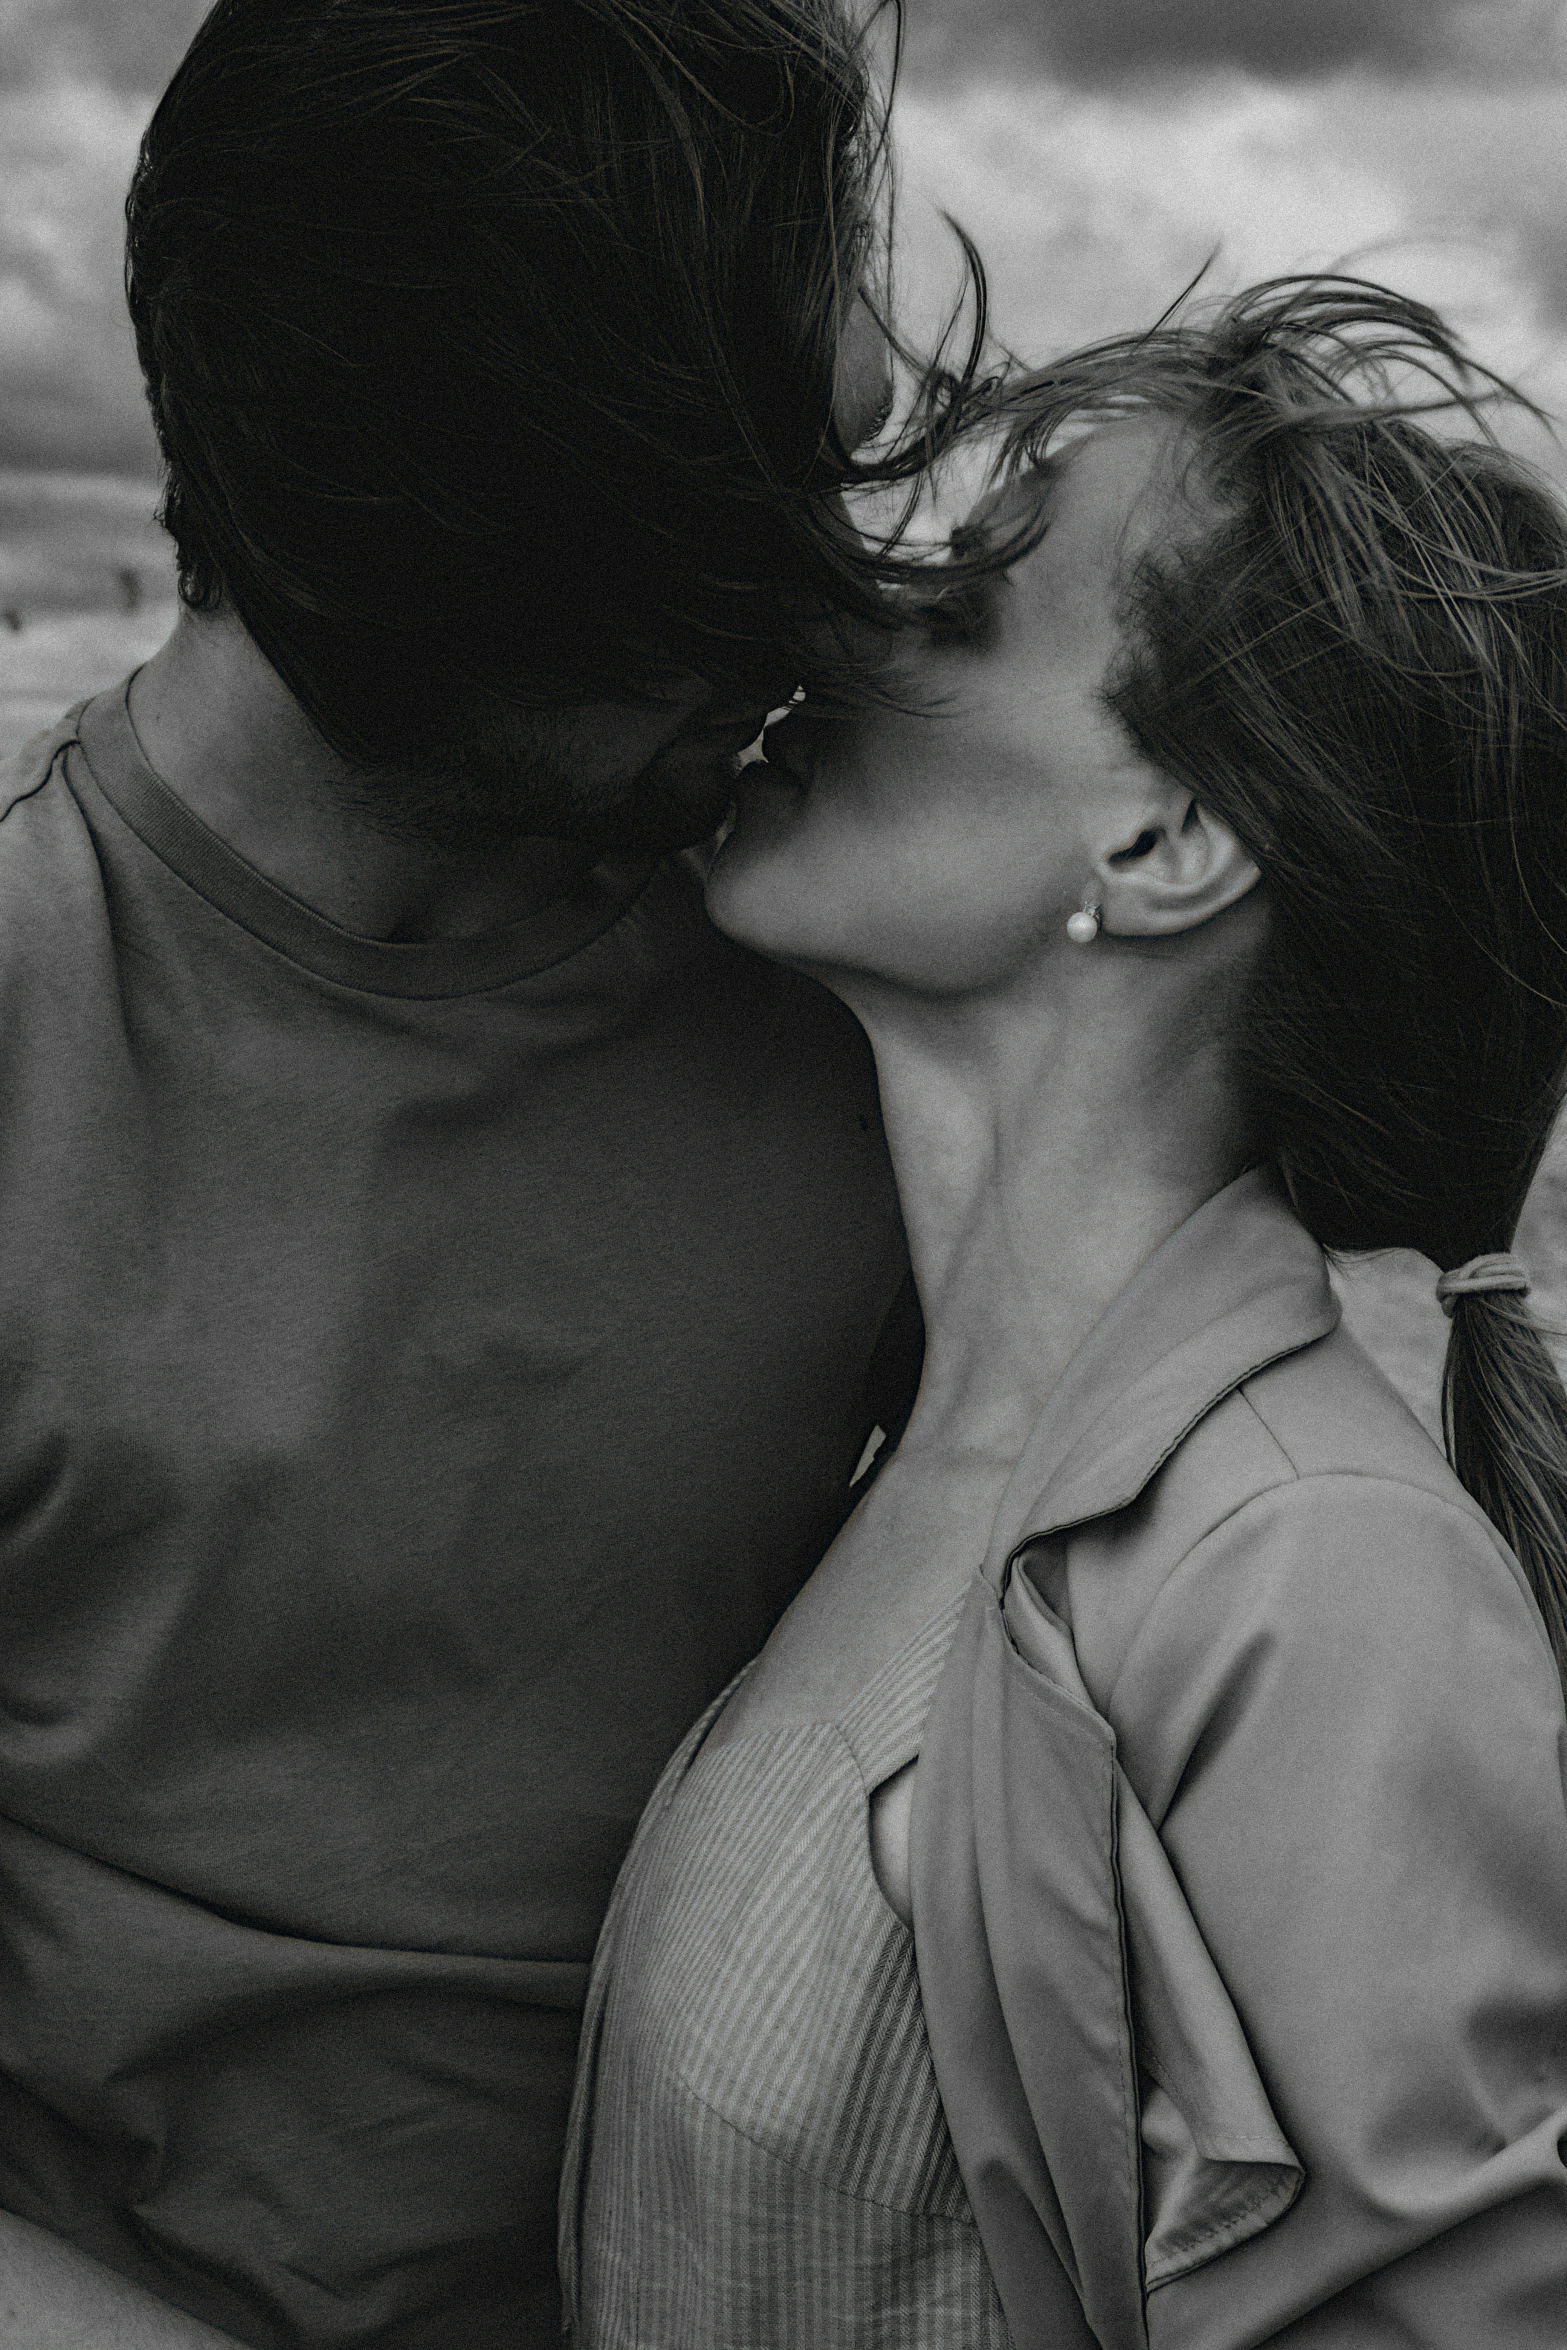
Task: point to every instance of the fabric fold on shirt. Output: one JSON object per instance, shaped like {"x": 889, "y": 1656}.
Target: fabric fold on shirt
{"x": 1217, "y": 2168}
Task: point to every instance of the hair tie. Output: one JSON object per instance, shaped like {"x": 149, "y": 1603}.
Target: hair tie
{"x": 1480, "y": 1277}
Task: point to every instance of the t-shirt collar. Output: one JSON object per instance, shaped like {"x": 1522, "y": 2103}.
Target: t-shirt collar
{"x": 443, "y": 967}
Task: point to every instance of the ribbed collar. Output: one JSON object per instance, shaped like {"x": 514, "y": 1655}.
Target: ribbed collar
{"x": 440, "y": 968}
{"x": 1238, "y": 1285}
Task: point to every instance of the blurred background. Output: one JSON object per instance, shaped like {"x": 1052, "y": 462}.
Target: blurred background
{"x": 1100, "y": 151}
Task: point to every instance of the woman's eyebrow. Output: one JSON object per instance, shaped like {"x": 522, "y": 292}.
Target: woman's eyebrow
{"x": 1016, "y": 510}
{"x": 1040, "y": 486}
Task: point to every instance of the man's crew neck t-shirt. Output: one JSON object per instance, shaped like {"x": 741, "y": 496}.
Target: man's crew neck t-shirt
{"x": 426, "y": 1373}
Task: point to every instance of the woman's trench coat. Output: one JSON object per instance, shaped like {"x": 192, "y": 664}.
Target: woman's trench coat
{"x": 1240, "y": 1849}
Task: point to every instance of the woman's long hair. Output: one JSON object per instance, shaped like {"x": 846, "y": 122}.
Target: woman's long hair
{"x": 1353, "y": 648}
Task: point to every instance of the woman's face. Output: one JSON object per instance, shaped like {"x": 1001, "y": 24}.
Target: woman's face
{"x": 942, "y": 849}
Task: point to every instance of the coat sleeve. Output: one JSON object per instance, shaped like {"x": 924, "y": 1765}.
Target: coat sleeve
{"x": 1343, "y": 1718}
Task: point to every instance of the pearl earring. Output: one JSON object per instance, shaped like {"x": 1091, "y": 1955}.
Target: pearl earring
{"x": 1082, "y": 928}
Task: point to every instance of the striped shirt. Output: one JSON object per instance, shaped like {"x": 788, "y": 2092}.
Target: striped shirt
{"x": 758, "y": 2155}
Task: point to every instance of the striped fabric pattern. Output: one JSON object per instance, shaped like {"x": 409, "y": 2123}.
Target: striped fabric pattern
{"x": 758, "y": 2155}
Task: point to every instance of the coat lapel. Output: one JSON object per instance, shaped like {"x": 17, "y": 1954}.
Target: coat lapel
{"x": 1240, "y": 1284}
{"x": 1057, "y": 1957}
{"x": 1022, "y": 1981}
{"x": 1215, "y": 2166}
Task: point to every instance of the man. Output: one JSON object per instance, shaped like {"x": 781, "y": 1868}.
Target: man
{"x": 441, "y": 1275}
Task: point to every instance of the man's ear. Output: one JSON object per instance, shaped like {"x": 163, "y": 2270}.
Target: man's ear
{"x": 1170, "y": 867}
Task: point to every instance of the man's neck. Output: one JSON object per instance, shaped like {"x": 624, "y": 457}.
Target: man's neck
{"x": 218, "y": 725}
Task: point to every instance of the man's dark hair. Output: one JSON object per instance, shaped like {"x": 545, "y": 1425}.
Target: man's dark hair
{"x": 491, "y": 343}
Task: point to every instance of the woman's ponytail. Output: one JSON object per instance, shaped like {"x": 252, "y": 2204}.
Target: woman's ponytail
{"x": 1350, "y": 644}
{"x": 1504, "y": 1412}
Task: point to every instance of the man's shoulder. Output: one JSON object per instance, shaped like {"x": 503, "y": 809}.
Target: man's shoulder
{"x": 27, "y": 770}
{"x": 51, "y": 881}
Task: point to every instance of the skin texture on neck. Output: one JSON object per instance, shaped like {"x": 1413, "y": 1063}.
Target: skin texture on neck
{"x": 217, "y": 723}
{"x": 1045, "y": 1143}
{"x": 1043, "y": 1150}
{"x": 1040, "y": 1161}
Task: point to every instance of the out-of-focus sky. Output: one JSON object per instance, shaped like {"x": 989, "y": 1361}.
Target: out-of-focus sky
{"x": 1100, "y": 150}
{"x": 1103, "y": 149}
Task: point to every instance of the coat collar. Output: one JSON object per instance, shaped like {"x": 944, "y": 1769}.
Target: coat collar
{"x": 1238, "y": 1285}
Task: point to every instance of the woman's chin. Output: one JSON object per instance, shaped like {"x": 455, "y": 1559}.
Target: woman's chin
{"x": 742, "y": 903}
{"x": 750, "y": 882}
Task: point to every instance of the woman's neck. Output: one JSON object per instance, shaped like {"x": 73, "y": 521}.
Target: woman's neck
{"x": 1041, "y": 1157}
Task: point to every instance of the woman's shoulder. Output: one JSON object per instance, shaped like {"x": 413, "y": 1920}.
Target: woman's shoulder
{"x": 1307, "y": 1528}
{"x": 1354, "y": 1483}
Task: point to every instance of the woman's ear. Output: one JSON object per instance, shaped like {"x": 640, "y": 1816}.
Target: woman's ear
{"x": 1170, "y": 867}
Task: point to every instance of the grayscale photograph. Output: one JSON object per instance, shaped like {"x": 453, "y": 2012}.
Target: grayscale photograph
{"x": 783, "y": 943}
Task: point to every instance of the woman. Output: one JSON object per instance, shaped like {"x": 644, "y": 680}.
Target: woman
{"x": 1199, "y": 879}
